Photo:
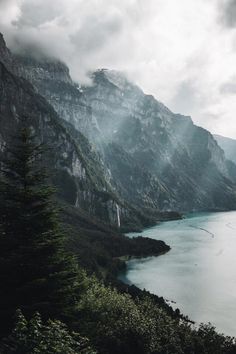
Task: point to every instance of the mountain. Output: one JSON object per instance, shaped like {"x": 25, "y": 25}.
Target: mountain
{"x": 151, "y": 158}
{"x": 228, "y": 145}
{"x": 183, "y": 161}
{"x": 77, "y": 170}
{"x": 51, "y": 80}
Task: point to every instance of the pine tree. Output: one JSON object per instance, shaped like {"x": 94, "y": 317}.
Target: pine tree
{"x": 36, "y": 274}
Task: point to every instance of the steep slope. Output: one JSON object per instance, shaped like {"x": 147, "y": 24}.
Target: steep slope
{"x": 52, "y": 80}
{"x": 154, "y": 159}
{"x": 228, "y": 145}
{"x": 185, "y": 158}
{"x": 77, "y": 170}
{"x": 5, "y": 54}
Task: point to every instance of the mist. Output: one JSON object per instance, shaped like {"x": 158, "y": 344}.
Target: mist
{"x": 184, "y": 52}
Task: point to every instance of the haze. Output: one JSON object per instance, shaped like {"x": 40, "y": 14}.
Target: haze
{"x": 182, "y": 52}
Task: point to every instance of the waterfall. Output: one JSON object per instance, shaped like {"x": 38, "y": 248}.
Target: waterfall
{"x": 118, "y": 214}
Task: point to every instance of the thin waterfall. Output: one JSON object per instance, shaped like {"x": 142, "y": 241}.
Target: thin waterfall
{"x": 118, "y": 214}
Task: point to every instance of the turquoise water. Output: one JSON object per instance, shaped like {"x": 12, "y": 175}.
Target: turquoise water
{"x": 198, "y": 275}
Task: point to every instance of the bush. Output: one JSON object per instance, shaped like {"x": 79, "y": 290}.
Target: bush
{"x": 117, "y": 324}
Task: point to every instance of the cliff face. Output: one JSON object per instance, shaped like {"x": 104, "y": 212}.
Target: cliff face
{"x": 190, "y": 167}
{"x": 51, "y": 79}
{"x": 5, "y": 54}
{"x": 228, "y": 145}
{"x": 154, "y": 159}
{"x": 77, "y": 170}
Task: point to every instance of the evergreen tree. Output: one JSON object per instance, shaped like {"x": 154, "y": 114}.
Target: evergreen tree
{"x": 36, "y": 274}
{"x": 52, "y": 337}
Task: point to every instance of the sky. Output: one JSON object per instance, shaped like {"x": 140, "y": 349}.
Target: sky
{"x": 183, "y": 52}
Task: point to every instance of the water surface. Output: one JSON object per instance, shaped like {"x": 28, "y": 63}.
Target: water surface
{"x": 199, "y": 273}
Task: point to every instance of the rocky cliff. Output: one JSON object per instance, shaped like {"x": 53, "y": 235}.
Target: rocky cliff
{"x": 189, "y": 168}
{"x": 152, "y": 158}
{"x": 5, "y": 54}
{"x": 51, "y": 79}
{"x": 77, "y": 170}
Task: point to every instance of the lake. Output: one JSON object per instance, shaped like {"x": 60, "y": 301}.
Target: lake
{"x": 198, "y": 274}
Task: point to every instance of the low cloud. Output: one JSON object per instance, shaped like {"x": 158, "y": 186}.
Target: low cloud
{"x": 228, "y": 13}
{"x": 229, "y": 87}
{"x": 178, "y": 51}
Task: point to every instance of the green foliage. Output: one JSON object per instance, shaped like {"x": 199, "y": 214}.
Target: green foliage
{"x": 117, "y": 324}
{"x": 213, "y": 342}
{"x": 36, "y": 273}
{"x": 110, "y": 319}
{"x": 35, "y": 337}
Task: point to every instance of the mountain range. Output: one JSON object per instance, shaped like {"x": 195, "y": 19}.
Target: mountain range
{"x": 119, "y": 155}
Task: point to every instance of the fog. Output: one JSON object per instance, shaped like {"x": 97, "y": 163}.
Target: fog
{"x": 182, "y": 52}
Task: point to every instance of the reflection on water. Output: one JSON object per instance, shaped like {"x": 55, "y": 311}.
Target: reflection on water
{"x": 199, "y": 273}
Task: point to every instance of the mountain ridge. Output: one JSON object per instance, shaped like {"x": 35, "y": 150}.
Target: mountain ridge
{"x": 152, "y": 158}
{"x": 169, "y": 146}
{"x": 78, "y": 173}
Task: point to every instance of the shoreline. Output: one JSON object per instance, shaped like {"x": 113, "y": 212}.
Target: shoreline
{"x": 127, "y": 258}
{"x": 192, "y": 235}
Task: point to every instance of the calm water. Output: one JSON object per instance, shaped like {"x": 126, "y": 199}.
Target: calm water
{"x": 199, "y": 273}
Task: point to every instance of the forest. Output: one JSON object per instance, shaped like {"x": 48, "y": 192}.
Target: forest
{"x": 59, "y": 292}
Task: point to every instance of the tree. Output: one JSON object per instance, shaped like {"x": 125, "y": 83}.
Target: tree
{"x": 36, "y": 274}
{"x": 52, "y": 337}
{"x": 119, "y": 324}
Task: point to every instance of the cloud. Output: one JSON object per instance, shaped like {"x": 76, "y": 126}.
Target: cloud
{"x": 229, "y": 87}
{"x": 228, "y": 11}
{"x": 96, "y": 33}
{"x": 9, "y": 10}
{"x": 178, "y": 51}
{"x": 186, "y": 98}
{"x": 34, "y": 13}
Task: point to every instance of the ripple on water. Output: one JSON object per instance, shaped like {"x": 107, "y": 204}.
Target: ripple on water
{"x": 199, "y": 273}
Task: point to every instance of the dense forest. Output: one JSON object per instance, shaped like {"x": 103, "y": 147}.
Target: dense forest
{"x": 59, "y": 292}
